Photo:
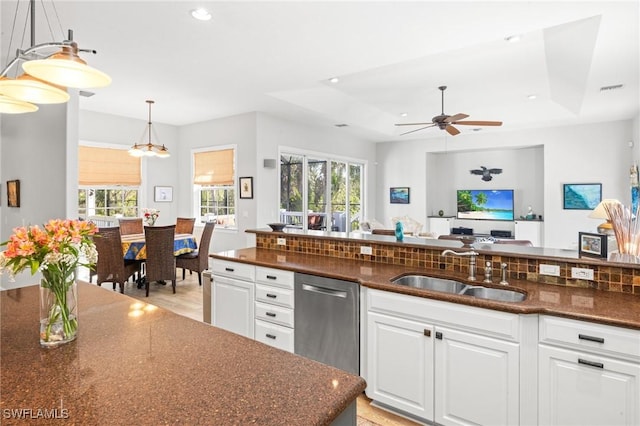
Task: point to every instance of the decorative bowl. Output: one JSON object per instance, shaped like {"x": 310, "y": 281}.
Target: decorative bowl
{"x": 277, "y": 226}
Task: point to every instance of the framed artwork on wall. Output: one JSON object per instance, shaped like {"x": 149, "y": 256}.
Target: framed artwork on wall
{"x": 163, "y": 194}
{"x": 592, "y": 245}
{"x": 13, "y": 193}
{"x": 399, "y": 195}
{"x": 581, "y": 196}
{"x": 246, "y": 187}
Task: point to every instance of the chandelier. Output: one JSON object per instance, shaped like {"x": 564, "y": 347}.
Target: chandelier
{"x": 149, "y": 149}
{"x": 48, "y": 69}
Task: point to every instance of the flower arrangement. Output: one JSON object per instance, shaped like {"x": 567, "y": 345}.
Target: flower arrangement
{"x": 150, "y": 216}
{"x": 56, "y": 250}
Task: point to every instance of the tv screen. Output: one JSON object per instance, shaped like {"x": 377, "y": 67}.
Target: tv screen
{"x": 485, "y": 204}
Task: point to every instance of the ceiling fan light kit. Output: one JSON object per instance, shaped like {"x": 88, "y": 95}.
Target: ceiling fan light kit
{"x": 445, "y": 122}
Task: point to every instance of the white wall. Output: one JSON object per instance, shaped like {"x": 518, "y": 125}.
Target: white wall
{"x": 583, "y": 153}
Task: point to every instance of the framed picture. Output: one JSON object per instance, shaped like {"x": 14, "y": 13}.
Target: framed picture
{"x": 246, "y": 187}
{"x": 592, "y": 245}
{"x": 581, "y": 196}
{"x": 13, "y": 193}
{"x": 399, "y": 195}
{"x": 163, "y": 194}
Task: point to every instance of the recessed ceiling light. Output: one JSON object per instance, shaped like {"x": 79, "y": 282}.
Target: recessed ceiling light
{"x": 201, "y": 14}
{"x": 532, "y": 97}
{"x": 334, "y": 80}
{"x": 513, "y": 38}
{"x": 403, "y": 114}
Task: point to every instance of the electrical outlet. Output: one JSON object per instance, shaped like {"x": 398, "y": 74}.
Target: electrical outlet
{"x": 582, "y": 273}
{"x": 553, "y": 270}
{"x": 281, "y": 241}
{"x": 366, "y": 250}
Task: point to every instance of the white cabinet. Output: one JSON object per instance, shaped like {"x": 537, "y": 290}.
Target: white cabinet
{"x": 530, "y": 230}
{"x": 233, "y": 297}
{"x": 274, "y": 304}
{"x": 588, "y": 373}
{"x": 442, "y": 362}
{"x": 440, "y": 225}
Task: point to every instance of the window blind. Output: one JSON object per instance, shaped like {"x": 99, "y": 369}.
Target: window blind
{"x": 214, "y": 167}
{"x": 107, "y": 166}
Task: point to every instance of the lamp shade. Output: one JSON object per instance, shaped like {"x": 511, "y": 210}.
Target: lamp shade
{"x": 30, "y": 89}
{"x": 14, "y": 106}
{"x": 600, "y": 212}
{"x": 66, "y": 71}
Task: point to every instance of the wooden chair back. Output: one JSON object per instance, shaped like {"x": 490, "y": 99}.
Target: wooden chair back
{"x": 111, "y": 266}
{"x": 184, "y": 225}
{"x": 198, "y": 261}
{"x": 160, "y": 261}
{"x": 131, "y": 226}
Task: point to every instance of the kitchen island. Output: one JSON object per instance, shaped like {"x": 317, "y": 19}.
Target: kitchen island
{"x": 134, "y": 363}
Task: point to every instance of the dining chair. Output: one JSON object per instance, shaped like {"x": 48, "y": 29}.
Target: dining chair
{"x": 184, "y": 225}
{"x": 160, "y": 261}
{"x": 111, "y": 265}
{"x": 197, "y": 261}
{"x": 131, "y": 226}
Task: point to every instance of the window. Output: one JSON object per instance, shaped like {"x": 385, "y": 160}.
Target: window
{"x": 109, "y": 184}
{"x": 214, "y": 184}
{"x": 328, "y": 190}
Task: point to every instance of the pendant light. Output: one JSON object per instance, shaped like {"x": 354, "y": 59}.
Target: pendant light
{"x": 45, "y": 79}
{"x": 149, "y": 149}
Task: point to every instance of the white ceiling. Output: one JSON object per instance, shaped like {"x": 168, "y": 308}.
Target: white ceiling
{"x": 390, "y": 56}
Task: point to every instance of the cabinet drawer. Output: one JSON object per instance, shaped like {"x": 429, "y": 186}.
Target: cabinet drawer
{"x": 275, "y": 314}
{"x": 276, "y": 277}
{"x": 274, "y": 295}
{"x": 587, "y": 336}
{"x": 274, "y": 335}
{"x": 234, "y": 269}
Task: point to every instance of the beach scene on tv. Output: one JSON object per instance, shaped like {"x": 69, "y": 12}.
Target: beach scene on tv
{"x": 485, "y": 204}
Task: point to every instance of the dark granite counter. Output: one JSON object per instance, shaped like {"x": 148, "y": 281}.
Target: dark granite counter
{"x": 606, "y": 307}
{"x": 137, "y": 364}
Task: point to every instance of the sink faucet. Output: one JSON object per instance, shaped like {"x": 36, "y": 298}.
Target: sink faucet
{"x": 472, "y": 261}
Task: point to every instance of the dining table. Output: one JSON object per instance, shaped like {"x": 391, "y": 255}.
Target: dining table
{"x": 134, "y": 246}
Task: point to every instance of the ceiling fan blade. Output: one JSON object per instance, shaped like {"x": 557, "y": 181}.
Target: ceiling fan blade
{"x": 456, "y": 117}
{"x": 411, "y": 131}
{"x": 412, "y": 124}
{"x": 479, "y": 123}
{"x": 452, "y": 130}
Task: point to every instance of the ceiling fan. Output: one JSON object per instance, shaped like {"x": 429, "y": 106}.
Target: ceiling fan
{"x": 445, "y": 122}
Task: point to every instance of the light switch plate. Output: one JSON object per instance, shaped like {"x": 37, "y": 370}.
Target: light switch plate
{"x": 553, "y": 270}
{"x": 582, "y": 273}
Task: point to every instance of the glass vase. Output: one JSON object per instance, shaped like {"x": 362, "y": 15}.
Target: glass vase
{"x": 58, "y": 311}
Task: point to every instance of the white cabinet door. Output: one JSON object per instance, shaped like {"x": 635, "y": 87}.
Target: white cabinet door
{"x": 400, "y": 364}
{"x": 476, "y": 379}
{"x": 577, "y": 388}
{"x": 440, "y": 225}
{"x": 233, "y": 305}
{"x": 530, "y": 230}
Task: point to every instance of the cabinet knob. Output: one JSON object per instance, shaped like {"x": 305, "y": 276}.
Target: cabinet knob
{"x": 427, "y": 332}
{"x": 438, "y": 335}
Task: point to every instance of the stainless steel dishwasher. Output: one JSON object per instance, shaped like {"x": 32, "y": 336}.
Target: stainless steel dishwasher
{"x": 327, "y": 321}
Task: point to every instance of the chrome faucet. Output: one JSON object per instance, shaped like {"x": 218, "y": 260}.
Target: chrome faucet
{"x": 504, "y": 274}
{"x": 472, "y": 261}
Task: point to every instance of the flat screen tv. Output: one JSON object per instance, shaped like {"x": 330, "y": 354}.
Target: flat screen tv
{"x": 485, "y": 204}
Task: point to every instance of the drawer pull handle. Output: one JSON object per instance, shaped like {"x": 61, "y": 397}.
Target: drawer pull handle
{"x": 427, "y": 332}
{"x": 590, "y": 363}
{"x": 438, "y": 335}
{"x": 273, "y": 296}
{"x": 270, "y": 314}
{"x": 272, "y": 277}
{"x": 591, "y": 338}
{"x": 270, "y": 336}
{"x": 229, "y": 269}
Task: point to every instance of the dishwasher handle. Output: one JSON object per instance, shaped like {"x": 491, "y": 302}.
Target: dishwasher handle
{"x": 324, "y": 290}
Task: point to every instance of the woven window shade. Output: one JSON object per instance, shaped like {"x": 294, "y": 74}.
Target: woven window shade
{"x": 105, "y": 166}
{"x": 214, "y": 168}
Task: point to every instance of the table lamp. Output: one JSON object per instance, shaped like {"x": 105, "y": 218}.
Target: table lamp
{"x": 600, "y": 213}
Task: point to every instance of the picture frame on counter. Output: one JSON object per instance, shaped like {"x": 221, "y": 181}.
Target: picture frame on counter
{"x": 592, "y": 245}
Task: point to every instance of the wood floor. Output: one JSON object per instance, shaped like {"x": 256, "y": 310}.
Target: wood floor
{"x": 188, "y": 302}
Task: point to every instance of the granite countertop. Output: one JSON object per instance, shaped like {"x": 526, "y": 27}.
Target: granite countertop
{"x": 138, "y": 364}
{"x": 606, "y": 307}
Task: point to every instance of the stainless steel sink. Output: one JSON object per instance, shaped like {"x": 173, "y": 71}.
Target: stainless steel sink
{"x": 455, "y": 287}
{"x": 431, "y": 283}
{"x": 499, "y": 294}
